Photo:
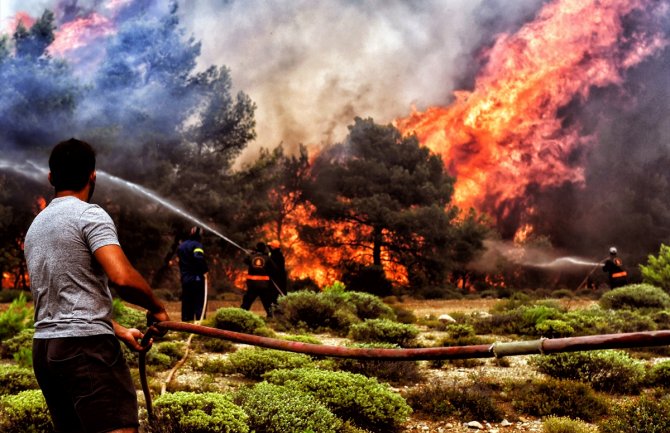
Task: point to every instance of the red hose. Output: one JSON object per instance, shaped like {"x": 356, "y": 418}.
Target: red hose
{"x": 542, "y": 346}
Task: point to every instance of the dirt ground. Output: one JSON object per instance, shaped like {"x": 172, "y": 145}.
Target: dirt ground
{"x": 420, "y": 307}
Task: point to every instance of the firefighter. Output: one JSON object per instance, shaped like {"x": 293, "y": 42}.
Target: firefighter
{"x": 278, "y": 277}
{"x": 614, "y": 268}
{"x": 192, "y": 267}
{"x": 258, "y": 279}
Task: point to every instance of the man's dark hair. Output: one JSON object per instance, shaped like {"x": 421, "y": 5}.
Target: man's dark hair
{"x": 71, "y": 164}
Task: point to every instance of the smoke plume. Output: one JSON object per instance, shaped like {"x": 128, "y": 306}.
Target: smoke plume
{"x": 310, "y": 67}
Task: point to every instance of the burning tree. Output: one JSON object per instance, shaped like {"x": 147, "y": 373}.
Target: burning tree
{"x": 388, "y": 198}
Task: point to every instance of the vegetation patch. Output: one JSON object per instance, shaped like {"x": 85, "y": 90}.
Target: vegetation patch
{"x": 25, "y": 412}
{"x": 606, "y": 370}
{"x": 190, "y": 412}
{"x": 278, "y": 409}
{"x": 354, "y": 397}
{"x": 636, "y": 296}
{"x": 256, "y": 361}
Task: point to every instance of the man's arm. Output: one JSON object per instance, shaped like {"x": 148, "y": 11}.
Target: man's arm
{"x": 129, "y": 284}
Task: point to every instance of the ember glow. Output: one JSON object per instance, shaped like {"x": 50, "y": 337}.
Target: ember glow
{"x": 507, "y": 133}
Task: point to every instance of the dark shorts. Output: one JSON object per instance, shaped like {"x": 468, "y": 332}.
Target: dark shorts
{"x": 86, "y": 383}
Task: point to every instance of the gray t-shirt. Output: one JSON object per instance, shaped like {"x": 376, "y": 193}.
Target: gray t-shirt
{"x": 69, "y": 287}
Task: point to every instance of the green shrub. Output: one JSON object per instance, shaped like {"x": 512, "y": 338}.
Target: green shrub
{"x": 558, "y": 397}
{"x": 554, "y": 329}
{"x": 397, "y": 372}
{"x": 659, "y": 375}
{"x": 657, "y": 270}
{"x": 278, "y": 409}
{"x": 24, "y": 357}
{"x": 304, "y": 338}
{"x": 635, "y": 296}
{"x": 460, "y": 330}
{"x": 189, "y": 412}
{"x": 558, "y": 424}
{"x": 403, "y": 315}
{"x": 25, "y": 412}
{"x": 216, "y": 345}
{"x": 437, "y": 401}
{"x": 128, "y": 316}
{"x": 606, "y": 370}
{"x": 595, "y": 320}
{"x": 174, "y": 349}
{"x": 314, "y": 312}
{"x": 645, "y": 414}
{"x": 562, "y": 293}
{"x": 384, "y": 331}
{"x": 364, "y": 401}
{"x": 238, "y": 320}
{"x": 368, "y": 306}
{"x": 253, "y": 362}
{"x": 16, "y": 318}
{"x": 14, "y": 379}
{"x": 22, "y": 340}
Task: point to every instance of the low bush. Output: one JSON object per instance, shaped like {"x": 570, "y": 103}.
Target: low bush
{"x": 238, "y": 320}
{"x": 303, "y": 338}
{"x": 7, "y": 296}
{"x": 25, "y": 412}
{"x": 17, "y": 317}
{"x": 278, "y": 409}
{"x": 14, "y": 379}
{"x": 636, "y": 296}
{"x": 354, "y": 397}
{"x": 403, "y": 315}
{"x": 461, "y": 335}
{"x": 558, "y": 397}
{"x": 253, "y": 362}
{"x": 560, "y": 424}
{"x": 174, "y": 349}
{"x": 22, "y": 340}
{"x": 368, "y": 306}
{"x": 128, "y": 316}
{"x": 384, "y": 331}
{"x": 216, "y": 345}
{"x": 646, "y": 414}
{"x": 437, "y": 401}
{"x": 659, "y": 375}
{"x": 317, "y": 312}
{"x": 397, "y": 372}
{"x": 606, "y": 370}
{"x": 554, "y": 329}
{"x": 189, "y": 412}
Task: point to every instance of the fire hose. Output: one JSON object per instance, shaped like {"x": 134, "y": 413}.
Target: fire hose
{"x": 542, "y": 346}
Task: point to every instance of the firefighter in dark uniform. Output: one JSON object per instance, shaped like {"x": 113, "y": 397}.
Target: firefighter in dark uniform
{"x": 614, "y": 268}
{"x": 258, "y": 279}
{"x": 192, "y": 267}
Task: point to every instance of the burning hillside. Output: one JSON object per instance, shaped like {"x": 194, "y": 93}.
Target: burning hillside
{"x": 556, "y": 131}
{"x": 511, "y": 132}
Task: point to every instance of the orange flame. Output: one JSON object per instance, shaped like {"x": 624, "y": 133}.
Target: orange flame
{"x": 80, "y": 32}
{"x": 506, "y": 133}
{"x": 322, "y": 265}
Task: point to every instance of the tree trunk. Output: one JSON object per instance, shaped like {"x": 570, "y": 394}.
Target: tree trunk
{"x": 377, "y": 246}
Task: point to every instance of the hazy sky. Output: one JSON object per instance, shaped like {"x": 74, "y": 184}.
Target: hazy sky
{"x": 312, "y": 66}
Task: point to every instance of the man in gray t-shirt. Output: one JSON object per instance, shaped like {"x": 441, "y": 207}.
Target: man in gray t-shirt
{"x": 72, "y": 251}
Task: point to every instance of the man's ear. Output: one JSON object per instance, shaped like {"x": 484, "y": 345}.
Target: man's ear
{"x": 50, "y": 179}
{"x": 93, "y": 176}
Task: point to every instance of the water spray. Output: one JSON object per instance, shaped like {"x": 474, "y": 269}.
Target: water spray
{"x": 39, "y": 173}
{"x": 167, "y": 204}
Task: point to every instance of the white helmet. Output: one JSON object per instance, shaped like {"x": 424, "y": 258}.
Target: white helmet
{"x": 613, "y": 250}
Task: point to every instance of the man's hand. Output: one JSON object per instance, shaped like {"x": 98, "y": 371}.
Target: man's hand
{"x": 131, "y": 337}
{"x": 159, "y": 316}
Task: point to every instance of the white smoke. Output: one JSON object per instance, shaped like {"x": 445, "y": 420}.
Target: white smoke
{"x": 311, "y": 67}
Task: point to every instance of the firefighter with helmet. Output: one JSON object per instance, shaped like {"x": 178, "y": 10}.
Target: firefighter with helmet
{"x": 258, "y": 279}
{"x": 192, "y": 268}
{"x": 614, "y": 268}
